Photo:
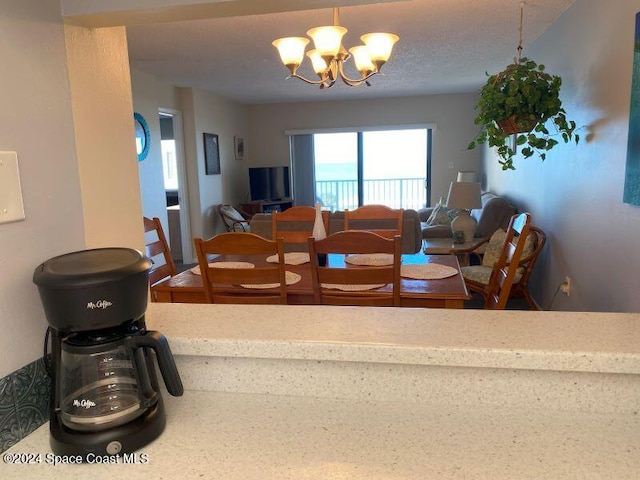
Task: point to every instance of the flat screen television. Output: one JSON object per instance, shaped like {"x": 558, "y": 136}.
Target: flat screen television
{"x": 269, "y": 183}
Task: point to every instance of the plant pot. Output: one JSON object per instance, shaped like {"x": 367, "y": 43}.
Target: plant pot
{"x": 515, "y": 124}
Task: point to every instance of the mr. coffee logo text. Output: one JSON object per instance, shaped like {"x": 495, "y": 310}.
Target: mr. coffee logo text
{"x": 86, "y": 404}
{"x": 101, "y": 304}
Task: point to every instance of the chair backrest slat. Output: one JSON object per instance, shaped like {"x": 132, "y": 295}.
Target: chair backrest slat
{"x": 157, "y": 249}
{"x": 356, "y": 242}
{"x": 504, "y": 270}
{"x": 218, "y": 281}
{"x": 380, "y": 214}
{"x": 283, "y": 224}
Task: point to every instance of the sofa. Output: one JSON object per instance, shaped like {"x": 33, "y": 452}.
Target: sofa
{"x": 496, "y": 211}
{"x": 411, "y": 227}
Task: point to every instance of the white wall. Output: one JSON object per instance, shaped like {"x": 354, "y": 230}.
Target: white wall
{"x": 576, "y": 194}
{"x": 453, "y": 115}
{"x": 209, "y": 113}
{"x": 35, "y": 121}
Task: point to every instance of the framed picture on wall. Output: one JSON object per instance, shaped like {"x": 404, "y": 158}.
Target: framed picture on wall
{"x": 211, "y": 154}
{"x": 238, "y": 143}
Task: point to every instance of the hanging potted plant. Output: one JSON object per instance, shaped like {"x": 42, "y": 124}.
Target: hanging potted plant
{"x": 517, "y": 104}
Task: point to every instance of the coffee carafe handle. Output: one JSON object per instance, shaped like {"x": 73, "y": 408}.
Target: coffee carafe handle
{"x": 159, "y": 344}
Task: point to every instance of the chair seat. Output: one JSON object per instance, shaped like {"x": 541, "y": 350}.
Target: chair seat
{"x": 482, "y": 274}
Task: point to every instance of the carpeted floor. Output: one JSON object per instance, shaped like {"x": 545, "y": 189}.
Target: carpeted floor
{"x": 513, "y": 304}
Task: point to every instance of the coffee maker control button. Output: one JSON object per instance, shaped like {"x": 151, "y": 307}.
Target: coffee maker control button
{"x": 114, "y": 447}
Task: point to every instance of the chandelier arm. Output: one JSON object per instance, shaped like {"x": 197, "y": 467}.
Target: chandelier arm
{"x": 321, "y": 82}
{"x": 352, "y": 82}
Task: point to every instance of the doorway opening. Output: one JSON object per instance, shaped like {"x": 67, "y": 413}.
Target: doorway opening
{"x": 175, "y": 185}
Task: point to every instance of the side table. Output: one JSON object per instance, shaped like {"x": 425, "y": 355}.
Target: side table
{"x": 445, "y": 246}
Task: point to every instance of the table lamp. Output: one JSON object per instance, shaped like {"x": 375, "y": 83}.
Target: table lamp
{"x": 464, "y": 196}
{"x": 467, "y": 177}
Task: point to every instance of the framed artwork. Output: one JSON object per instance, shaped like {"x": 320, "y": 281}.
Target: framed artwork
{"x": 211, "y": 154}
{"x": 631, "y": 192}
{"x": 238, "y": 143}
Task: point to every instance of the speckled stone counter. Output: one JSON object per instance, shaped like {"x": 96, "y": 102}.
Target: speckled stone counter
{"x": 589, "y": 342}
{"x": 227, "y": 436}
{"x": 355, "y": 393}
{"x": 562, "y": 361}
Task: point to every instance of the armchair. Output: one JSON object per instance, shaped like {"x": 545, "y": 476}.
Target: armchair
{"x": 234, "y": 219}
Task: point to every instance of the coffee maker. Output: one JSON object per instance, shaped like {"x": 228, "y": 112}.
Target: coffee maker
{"x": 105, "y": 397}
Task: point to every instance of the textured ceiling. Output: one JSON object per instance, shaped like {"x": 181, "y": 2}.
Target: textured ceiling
{"x": 445, "y": 46}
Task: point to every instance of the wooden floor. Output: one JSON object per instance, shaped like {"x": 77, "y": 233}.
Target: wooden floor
{"x": 181, "y": 267}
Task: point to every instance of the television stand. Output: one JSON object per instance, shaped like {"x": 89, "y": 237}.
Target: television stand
{"x": 267, "y": 206}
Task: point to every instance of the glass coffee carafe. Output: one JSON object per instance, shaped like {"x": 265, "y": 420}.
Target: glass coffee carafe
{"x": 105, "y": 381}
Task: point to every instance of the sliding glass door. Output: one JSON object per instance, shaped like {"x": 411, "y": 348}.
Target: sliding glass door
{"x": 394, "y": 169}
{"x": 383, "y": 167}
{"x": 336, "y": 169}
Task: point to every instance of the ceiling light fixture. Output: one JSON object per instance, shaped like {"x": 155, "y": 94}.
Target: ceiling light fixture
{"x": 329, "y": 55}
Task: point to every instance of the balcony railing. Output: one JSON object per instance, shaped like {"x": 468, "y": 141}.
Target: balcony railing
{"x": 393, "y": 192}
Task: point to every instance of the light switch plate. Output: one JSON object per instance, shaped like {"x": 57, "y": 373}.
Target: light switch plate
{"x": 11, "y": 206}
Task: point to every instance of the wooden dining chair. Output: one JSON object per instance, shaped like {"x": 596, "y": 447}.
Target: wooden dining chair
{"x": 354, "y": 277}
{"x": 505, "y": 269}
{"x": 218, "y": 282}
{"x": 295, "y": 226}
{"x": 477, "y": 277}
{"x": 387, "y": 221}
{"x": 157, "y": 249}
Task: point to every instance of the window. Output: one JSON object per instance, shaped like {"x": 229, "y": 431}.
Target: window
{"x": 169, "y": 166}
{"x": 388, "y": 167}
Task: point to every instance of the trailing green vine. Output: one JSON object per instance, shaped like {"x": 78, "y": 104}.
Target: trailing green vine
{"x": 527, "y": 97}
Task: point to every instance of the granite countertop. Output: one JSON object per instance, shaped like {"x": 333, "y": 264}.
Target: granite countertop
{"x": 262, "y": 437}
{"x": 233, "y": 435}
{"x": 588, "y": 342}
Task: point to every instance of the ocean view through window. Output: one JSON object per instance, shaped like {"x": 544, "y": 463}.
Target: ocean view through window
{"x": 387, "y": 167}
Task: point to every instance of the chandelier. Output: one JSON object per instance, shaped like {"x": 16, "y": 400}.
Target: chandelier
{"x": 329, "y": 55}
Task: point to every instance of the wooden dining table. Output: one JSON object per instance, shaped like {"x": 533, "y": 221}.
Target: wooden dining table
{"x": 450, "y": 292}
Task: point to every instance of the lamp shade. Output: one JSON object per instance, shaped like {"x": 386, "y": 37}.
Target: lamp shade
{"x": 467, "y": 177}
{"x": 327, "y": 40}
{"x": 379, "y": 45}
{"x": 464, "y": 195}
{"x": 362, "y": 59}
{"x": 319, "y": 64}
{"x": 291, "y": 49}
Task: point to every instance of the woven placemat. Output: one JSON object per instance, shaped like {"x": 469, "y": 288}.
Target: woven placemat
{"x": 291, "y": 258}
{"x": 291, "y": 278}
{"x": 196, "y": 269}
{"x": 430, "y": 271}
{"x": 372, "y": 259}
{"x": 352, "y": 288}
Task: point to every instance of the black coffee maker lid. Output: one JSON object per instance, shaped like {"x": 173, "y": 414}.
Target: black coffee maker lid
{"x": 87, "y": 268}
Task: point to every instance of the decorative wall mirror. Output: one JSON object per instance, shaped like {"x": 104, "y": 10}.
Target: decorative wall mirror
{"x": 143, "y": 137}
